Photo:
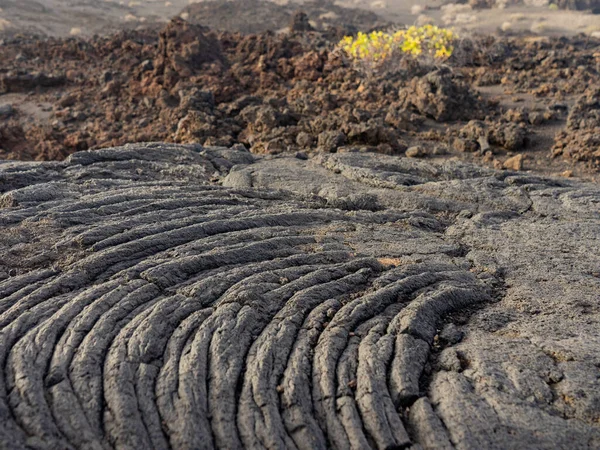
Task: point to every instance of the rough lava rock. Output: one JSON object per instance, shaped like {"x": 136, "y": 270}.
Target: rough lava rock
{"x": 26, "y": 81}
{"x": 300, "y": 23}
{"x": 509, "y": 136}
{"x": 164, "y": 296}
{"x": 184, "y": 48}
{"x": 581, "y": 5}
{"x": 580, "y": 140}
{"x": 441, "y": 96}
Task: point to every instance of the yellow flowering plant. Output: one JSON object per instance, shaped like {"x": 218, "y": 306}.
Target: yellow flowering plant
{"x": 378, "y": 46}
{"x": 375, "y": 46}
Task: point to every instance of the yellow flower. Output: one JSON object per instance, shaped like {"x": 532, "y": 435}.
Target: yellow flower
{"x": 378, "y": 46}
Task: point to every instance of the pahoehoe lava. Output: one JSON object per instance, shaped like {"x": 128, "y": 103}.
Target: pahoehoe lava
{"x": 188, "y": 297}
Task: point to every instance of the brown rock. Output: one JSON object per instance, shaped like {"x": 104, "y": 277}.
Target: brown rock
{"x": 329, "y": 141}
{"x": 440, "y": 150}
{"x": 488, "y": 157}
{"x": 580, "y": 141}
{"x": 26, "y": 81}
{"x": 507, "y": 135}
{"x": 304, "y": 140}
{"x": 536, "y": 118}
{"x": 465, "y": 145}
{"x": 184, "y": 48}
{"x": 441, "y": 96}
{"x": 385, "y": 149}
{"x": 112, "y": 88}
{"x": 514, "y": 162}
{"x": 68, "y": 100}
{"x": 416, "y": 152}
{"x": 516, "y": 115}
{"x": 72, "y": 75}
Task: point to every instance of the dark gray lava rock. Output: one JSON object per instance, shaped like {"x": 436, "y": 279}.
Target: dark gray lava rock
{"x": 6, "y": 110}
{"x": 579, "y": 5}
{"x": 143, "y": 305}
{"x": 300, "y": 22}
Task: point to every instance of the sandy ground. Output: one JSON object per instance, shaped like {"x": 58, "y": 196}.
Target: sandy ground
{"x": 539, "y": 20}
{"x": 88, "y": 17}
{"x": 85, "y": 17}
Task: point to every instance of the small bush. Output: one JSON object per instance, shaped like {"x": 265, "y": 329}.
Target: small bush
{"x": 374, "y": 47}
{"x": 378, "y": 46}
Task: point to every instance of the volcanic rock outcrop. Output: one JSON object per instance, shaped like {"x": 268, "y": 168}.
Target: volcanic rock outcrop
{"x": 440, "y": 96}
{"x": 295, "y": 92}
{"x": 165, "y": 296}
{"x": 592, "y": 5}
{"x": 581, "y": 138}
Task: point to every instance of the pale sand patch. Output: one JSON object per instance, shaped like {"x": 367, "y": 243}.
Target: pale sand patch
{"x": 65, "y": 15}
{"x": 417, "y": 9}
{"x": 379, "y": 5}
{"x": 522, "y": 18}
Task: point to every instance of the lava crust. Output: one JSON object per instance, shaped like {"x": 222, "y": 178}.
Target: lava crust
{"x": 168, "y": 296}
